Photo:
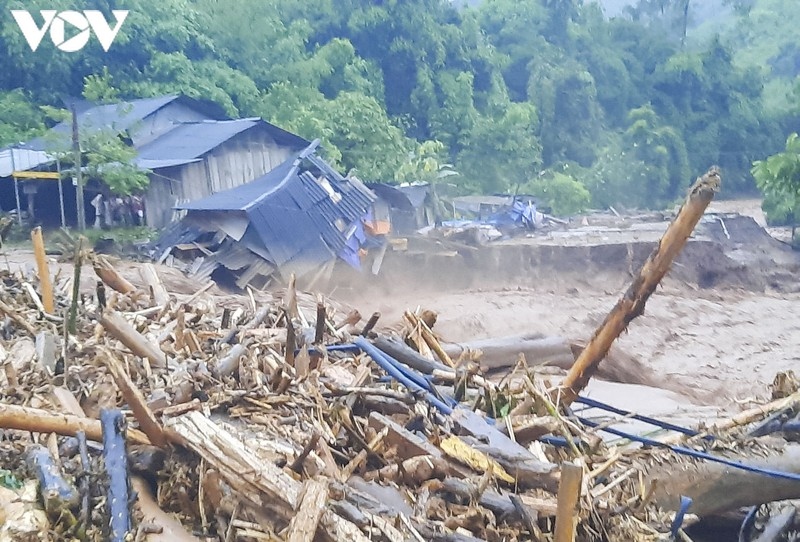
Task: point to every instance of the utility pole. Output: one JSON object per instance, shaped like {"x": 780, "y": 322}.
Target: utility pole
{"x": 76, "y": 146}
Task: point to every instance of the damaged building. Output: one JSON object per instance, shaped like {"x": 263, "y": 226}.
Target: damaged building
{"x": 189, "y": 148}
{"x": 300, "y": 218}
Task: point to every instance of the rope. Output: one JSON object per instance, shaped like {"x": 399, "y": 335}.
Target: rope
{"x": 646, "y": 419}
{"x": 696, "y": 454}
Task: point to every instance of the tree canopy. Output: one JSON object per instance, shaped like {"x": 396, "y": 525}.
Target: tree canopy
{"x": 550, "y": 93}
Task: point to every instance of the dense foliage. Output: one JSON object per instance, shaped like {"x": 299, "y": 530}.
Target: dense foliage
{"x": 510, "y": 94}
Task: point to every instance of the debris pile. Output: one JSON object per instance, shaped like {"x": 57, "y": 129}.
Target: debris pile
{"x": 140, "y": 412}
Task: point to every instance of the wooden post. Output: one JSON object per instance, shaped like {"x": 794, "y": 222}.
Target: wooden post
{"x": 61, "y": 194}
{"x": 632, "y": 303}
{"x": 76, "y": 147}
{"x": 16, "y": 187}
{"x": 569, "y": 491}
{"x": 44, "y": 270}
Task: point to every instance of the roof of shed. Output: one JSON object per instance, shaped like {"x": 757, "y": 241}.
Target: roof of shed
{"x": 187, "y": 142}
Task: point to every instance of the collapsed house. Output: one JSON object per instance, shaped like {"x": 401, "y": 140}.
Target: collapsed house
{"x": 300, "y": 218}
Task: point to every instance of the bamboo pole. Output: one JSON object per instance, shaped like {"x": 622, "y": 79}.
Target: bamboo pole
{"x": 633, "y": 302}
{"x": 569, "y": 492}
{"x": 44, "y": 270}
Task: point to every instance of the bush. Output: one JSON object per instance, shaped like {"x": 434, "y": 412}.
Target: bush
{"x": 564, "y": 194}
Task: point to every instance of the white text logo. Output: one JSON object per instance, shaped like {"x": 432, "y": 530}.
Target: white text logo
{"x": 83, "y": 23}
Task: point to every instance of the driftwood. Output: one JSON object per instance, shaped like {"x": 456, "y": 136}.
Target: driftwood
{"x": 135, "y": 399}
{"x": 111, "y": 277}
{"x": 261, "y": 483}
{"x": 716, "y": 488}
{"x": 503, "y": 353}
{"x": 120, "y": 329}
{"x": 170, "y": 529}
{"x": 633, "y": 302}
{"x": 41, "y": 421}
{"x": 408, "y": 356}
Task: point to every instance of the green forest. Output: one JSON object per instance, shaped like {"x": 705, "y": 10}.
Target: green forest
{"x": 549, "y": 97}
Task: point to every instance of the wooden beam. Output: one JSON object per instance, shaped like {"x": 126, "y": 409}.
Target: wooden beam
{"x": 569, "y": 492}
{"x": 632, "y": 303}
{"x": 40, "y": 175}
{"x": 44, "y": 270}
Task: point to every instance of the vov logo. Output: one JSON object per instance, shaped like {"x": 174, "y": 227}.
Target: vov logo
{"x": 82, "y": 23}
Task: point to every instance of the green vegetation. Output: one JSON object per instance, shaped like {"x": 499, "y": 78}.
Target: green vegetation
{"x": 545, "y": 94}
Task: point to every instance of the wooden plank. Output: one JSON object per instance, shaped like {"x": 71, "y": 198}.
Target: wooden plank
{"x": 313, "y": 501}
{"x": 569, "y": 492}
{"x": 121, "y": 330}
{"x": 45, "y": 281}
{"x": 38, "y": 175}
{"x": 256, "y": 481}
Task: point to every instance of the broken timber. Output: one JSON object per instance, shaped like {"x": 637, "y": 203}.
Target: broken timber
{"x": 633, "y": 302}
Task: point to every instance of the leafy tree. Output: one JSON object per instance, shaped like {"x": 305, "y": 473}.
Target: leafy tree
{"x": 20, "y": 119}
{"x": 564, "y": 194}
{"x": 778, "y": 177}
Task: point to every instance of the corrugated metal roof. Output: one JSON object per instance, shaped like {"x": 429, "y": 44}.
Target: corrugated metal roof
{"x": 189, "y": 141}
{"x": 120, "y": 116}
{"x": 296, "y": 219}
{"x": 21, "y": 160}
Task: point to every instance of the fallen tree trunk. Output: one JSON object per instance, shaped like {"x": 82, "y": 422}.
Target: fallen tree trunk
{"x": 633, "y": 302}
{"x": 716, "y": 488}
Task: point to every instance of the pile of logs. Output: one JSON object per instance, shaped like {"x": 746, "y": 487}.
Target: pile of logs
{"x": 134, "y": 413}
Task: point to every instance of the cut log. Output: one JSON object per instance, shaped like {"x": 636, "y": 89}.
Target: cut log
{"x": 408, "y": 356}
{"x": 716, "y": 488}
{"x": 121, "y": 330}
{"x": 41, "y": 421}
{"x": 633, "y": 302}
{"x": 503, "y": 353}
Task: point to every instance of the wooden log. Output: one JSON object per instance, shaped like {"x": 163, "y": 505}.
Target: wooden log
{"x": 229, "y": 364}
{"x": 313, "y": 501}
{"x": 115, "y": 460}
{"x": 261, "y": 483}
{"x": 76, "y": 289}
{"x": 569, "y": 492}
{"x": 136, "y": 401}
{"x": 633, "y": 301}
{"x": 120, "y": 329}
{"x": 40, "y": 421}
{"x": 111, "y": 277}
{"x": 520, "y": 463}
{"x": 43, "y": 268}
{"x": 503, "y": 352}
{"x": 153, "y": 281}
{"x": 716, "y": 488}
